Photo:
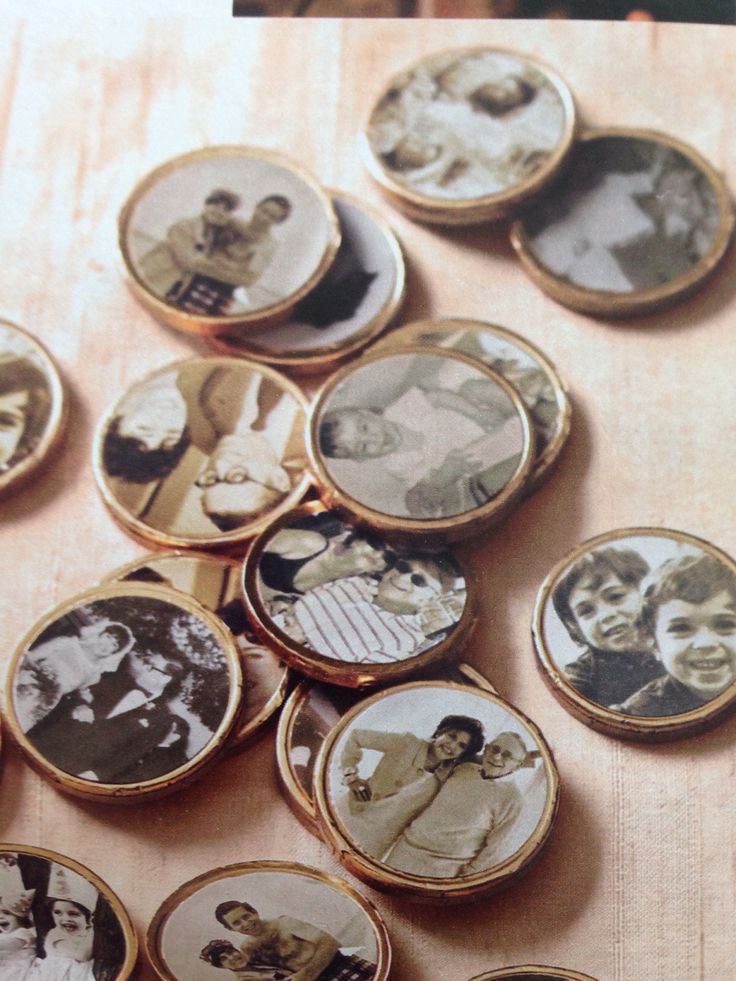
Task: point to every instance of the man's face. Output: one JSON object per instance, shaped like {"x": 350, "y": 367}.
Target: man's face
{"x": 270, "y": 212}
{"x": 501, "y": 756}
{"x": 363, "y": 434}
{"x": 151, "y": 672}
{"x": 607, "y": 614}
{"x": 407, "y": 587}
{"x": 697, "y": 642}
{"x": 241, "y": 920}
{"x": 216, "y": 213}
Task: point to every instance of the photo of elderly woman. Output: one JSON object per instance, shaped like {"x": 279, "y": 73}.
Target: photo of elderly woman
{"x": 630, "y": 214}
{"x": 122, "y": 690}
{"x": 206, "y": 446}
{"x": 26, "y": 399}
{"x": 54, "y": 924}
{"x": 421, "y": 435}
{"x": 467, "y": 124}
{"x": 445, "y": 799}
{"x": 347, "y": 595}
{"x": 266, "y": 926}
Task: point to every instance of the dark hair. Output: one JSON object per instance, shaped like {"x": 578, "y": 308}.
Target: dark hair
{"x": 121, "y": 634}
{"x": 692, "y": 578}
{"x": 122, "y": 456}
{"x": 284, "y": 203}
{"x": 50, "y": 900}
{"x": 484, "y": 100}
{"x": 626, "y": 564}
{"x": 21, "y": 375}
{"x": 214, "y": 950}
{"x": 229, "y": 199}
{"x": 463, "y": 722}
{"x": 228, "y": 906}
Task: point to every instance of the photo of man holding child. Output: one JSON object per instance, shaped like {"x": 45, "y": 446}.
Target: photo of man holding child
{"x": 644, "y": 625}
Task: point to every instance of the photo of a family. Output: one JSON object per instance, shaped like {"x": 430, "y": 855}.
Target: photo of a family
{"x": 436, "y": 782}
{"x": 27, "y": 393}
{"x": 55, "y": 925}
{"x": 629, "y": 214}
{"x": 421, "y": 435}
{"x": 645, "y": 626}
{"x": 122, "y": 690}
{"x": 219, "y": 235}
{"x": 349, "y": 596}
{"x": 202, "y": 448}
{"x": 268, "y": 925}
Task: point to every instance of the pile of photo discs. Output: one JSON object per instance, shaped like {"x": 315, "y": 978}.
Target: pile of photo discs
{"x": 615, "y": 223}
{"x": 61, "y": 920}
{"x": 533, "y": 972}
{"x": 244, "y": 246}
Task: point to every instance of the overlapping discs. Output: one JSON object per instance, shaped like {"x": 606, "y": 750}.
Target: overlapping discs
{"x": 203, "y": 452}
{"x": 343, "y": 605}
{"x": 124, "y": 691}
{"x": 227, "y": 237}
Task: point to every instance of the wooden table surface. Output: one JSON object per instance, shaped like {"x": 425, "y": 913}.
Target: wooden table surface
{"x": 637, "y": 881}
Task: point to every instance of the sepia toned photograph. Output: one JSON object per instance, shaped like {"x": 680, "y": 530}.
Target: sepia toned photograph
{"x": 267, "y": 923}
{"x": 436, "y": 783}
{"x": 29, "y": 400}
{"x": 420, "y": 435}
{"x": 357, "y": 296}
{"x": 55, "y": 925}
{"x": 347, "y": 595}
{"x": 215, "y": 583}
{"x": 201, "y": 449}
{"x": 223, "y": 233}
{"x": 122, "y": 690}
{"x": 644, "y": 625}
{"x": 533, "y": 972}
{"x": 468, "y": 124}
{"x": 630, "y": 214}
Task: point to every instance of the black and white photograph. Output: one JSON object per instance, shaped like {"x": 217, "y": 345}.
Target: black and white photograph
{"x": 122, "y": 690}
{"x": 644, "y": 625}
{"x": 357, "y": 297}
{"x": 265, "y": 924}
{"x": 421, "y": 435}
{"x": 201, "y": 449}
{"x": 436, "y": 782}
{"x": 29, "y": 400}
{"x": 226, "y": 233}
{"x": 468, "y": 124}
{"x": 349, "y": 596}
{"x": 55, "y": 925}
{"x": 630, "y": 214}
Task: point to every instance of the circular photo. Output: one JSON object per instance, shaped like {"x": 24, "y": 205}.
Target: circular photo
{"x": 427, "y": 440}
{"x": 346, "y": 606}
{"x": 359, "y": 294}
{"x": 518, "y": 361}
{"x": 32, "y": 407}
{"x": 637, "y": 219}
{"x": 60, "y": 921}
{"x": 226, "y": 235}
{"x": 435, "y": 789}
{"x": 268, "y": 920}
{"x": 638, "y": 626}
{"x": 215, "y": 583}
{"x": 203, "y": 452}
{"x": 533, "y": 972}
{"x": 309, "y": 714}
{"x": 124, "y": 690}
{"x": 471, "y": 126}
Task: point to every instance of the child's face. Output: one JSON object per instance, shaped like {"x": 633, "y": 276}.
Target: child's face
{"x": 697, "y": 642}
{"x": 233, "y": 960}
{"x": 8, "y": 921}
{"x": 607, "y": 614}
{"x": 68, "y": 917}
{"x": 362, "y": 435}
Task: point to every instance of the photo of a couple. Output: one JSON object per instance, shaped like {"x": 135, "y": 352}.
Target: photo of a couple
{"x": 349, "y": 596}
{"x": 274, "y": 923}
{"x": 436, "y": 782}
{"x": 203, "y": 448}
{"x": 122, "y": 690}
{"x": 644, "y": 625}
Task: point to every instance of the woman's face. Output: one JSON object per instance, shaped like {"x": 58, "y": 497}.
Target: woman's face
{"x": 13, "y": 407}
{"x": 68, "y": 917}
{"x": 450, "y": 744}
{"x": 156, "y": 420}
{"x": 233, "y": 960}
{"x": 8, "y": 921}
